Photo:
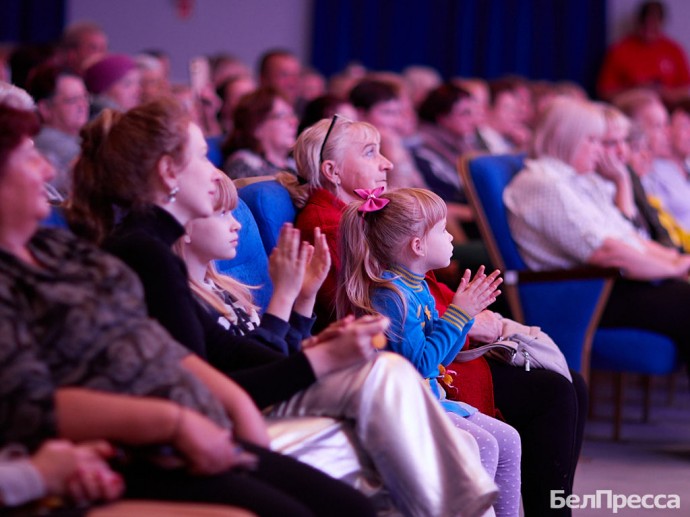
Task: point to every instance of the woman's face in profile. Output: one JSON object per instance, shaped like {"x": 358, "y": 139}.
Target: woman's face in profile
{"x": 462, "y": 118}
{"x": 363, "y": 165}
{"x": 23, "y": 196}
{"x": 214, "y": 237}
{"x": 587, "y": 154}
{"x": 615, "y": 142}
{"x": 279, "y": 130}
{"x": 197, "y": 178}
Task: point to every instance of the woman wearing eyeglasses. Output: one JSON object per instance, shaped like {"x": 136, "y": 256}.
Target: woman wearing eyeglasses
{"x": 331, "y": 182}
{"x": 264, "y": 131}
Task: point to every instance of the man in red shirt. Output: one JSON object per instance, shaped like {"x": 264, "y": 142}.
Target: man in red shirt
{"x": 646, "y": 58}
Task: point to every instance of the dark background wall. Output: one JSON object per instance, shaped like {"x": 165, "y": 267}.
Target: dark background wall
{"x": 541, "y": 39}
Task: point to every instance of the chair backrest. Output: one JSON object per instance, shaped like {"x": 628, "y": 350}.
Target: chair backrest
{"x": 250, "y": 266}
{"x": 485, "y": 178}
{"x": 271, "y": 206}
{"x": 56, "y": 218}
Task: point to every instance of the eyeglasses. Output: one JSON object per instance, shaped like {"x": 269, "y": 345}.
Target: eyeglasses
{"x": 328, "y": 133}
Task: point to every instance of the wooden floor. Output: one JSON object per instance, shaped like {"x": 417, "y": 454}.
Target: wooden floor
{"x": 651, "y": 458}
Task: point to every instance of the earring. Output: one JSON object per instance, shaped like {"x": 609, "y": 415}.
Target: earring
{"x": 187, "y": 239}
{"x": 172, "y": 195}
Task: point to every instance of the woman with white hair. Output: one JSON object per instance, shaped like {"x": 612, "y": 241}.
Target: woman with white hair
{"x": 561, "y": 218}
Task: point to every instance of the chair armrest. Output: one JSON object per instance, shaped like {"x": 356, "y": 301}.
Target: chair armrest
{"x": 566, "y": 303}
{"x": 568, "y": 309}
{"x": 513, "y": 277}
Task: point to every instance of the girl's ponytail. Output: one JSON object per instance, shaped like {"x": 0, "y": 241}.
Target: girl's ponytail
{"x": 118, "y": 169}
{"x": 90, "y": 211}
{"x": 373, "y": 241}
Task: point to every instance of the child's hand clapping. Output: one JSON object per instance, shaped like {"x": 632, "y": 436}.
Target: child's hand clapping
{"x": 473, "y": 296}
{"x": 318, "y": 266}
{"x": 286, "y": 267}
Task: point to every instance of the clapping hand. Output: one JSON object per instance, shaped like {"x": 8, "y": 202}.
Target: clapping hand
{"x": 286, "y": 267}
{"x": 476, "y": 294}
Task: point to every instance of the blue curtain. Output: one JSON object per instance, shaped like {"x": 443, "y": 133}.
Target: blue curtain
{"x": 31, "y": 21}
{"x": 539, "y": 39}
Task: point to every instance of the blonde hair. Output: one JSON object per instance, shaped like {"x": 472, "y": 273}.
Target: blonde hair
{"x": 307, "y": 153}
{"x": 615, "y": 117}
{"x": 563, "y": 125}
{"x": 225, "y": 199}
{"x": 370, "y": 242}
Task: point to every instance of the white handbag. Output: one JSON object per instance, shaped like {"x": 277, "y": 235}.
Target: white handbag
{"x": 523, "y": 346}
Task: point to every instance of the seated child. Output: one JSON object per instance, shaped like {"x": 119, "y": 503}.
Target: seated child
{"x": 387, "y": 246}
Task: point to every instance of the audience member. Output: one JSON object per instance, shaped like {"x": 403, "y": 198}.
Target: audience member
{"x": 420, "y": 80}
{"x": 263, "y": 133}
{"x": 163, "y": 57}
{"x": 98, "y": 367}
{"x": 380, "y": 103}
{"x": 297, "y": 270}
{"x": 680, "y": 134}
{"x": 388, "y": 243}
{"x": 448, "y": 129}
{"x": 504, "y": 130}
{"x": 203, "y": 105}
{"x": 622, "y": 163}
{"x": 646, "y": 58}
{"x": 114, "y": 81}
{"x": 82, "y": 44}
{"x": 280, "y": 70}
{"x": 560, "y": 218}
{"x": 666, "y": 183}
{"x": 312, "y": 84}
{"x": 63, "y": 106}
{"x": 153, "y": 77}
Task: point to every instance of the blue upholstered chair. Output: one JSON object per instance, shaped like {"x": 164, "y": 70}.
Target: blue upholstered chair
{"x": 215, "y": 155}
{"x": 565, "y": 304}
{"x": 56, "y": 218}
{"x": 271, "y": 205}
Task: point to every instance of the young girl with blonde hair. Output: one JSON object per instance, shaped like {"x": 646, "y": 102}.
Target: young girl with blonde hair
{"x": 388, "y": 242}
{"x": 297, "y": 270}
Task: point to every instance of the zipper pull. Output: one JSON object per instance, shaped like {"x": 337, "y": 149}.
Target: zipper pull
{"x": 527, "y": 361}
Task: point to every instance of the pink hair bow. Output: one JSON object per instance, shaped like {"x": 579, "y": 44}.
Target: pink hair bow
{"x": 372, "y": 202}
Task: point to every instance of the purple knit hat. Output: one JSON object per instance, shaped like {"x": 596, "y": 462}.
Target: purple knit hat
{"x": 107, "y": 71}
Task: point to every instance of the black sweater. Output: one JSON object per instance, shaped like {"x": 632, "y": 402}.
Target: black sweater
{"x": 143, "y": 241}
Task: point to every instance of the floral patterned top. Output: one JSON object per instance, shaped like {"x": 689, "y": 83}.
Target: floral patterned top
{"x": 79, "y": 319}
